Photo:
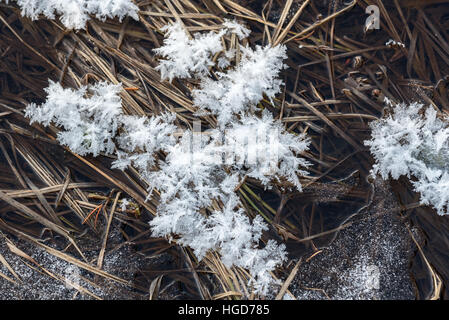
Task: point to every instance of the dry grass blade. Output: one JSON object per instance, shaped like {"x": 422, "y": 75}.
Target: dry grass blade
{"x": 281, "y": 21}
{"x": 154, "y": 287}
{"x": 32, "y": 214}
{"x": 63, "y": 189}
{"x": 288, "y": 281}
{"x": 204, "y": 293}
{"x": 321, "y": 22}
{"x": 7, "y": 278}
{"x": 437, "y": 283}
{"x": 119, "y": 184}
{"x": 290, "y": 24}
{"x": 19, "y": 252}
{"x": 6, "y": 264}
{"x": 22, "y": 254}
{"x": 227, "y": 294}
{"x": 60, "y": 255}
{"x": 26, "y": 44}
{"x": 326, "y": 120}
{"x": 230, "y": 279}
{"x": 108, "y": 226}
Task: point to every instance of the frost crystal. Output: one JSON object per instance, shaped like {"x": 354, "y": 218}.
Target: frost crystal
{"x": 185, "y": 57}
{"x": 413, "y": 141}
{"x": 225, "y": 60}
{"x": 240, "y": 89}
{"x": 89, "y": 116}
{"x": 236, "y": 91}
{"x": 124, "y": 204}
{"x": 196, "y": 175}
{"x": 195, "y": 179}
{"x": 75, "y": 13}
{"x": 191, "y": 181}
{"x": 235, "y": 27}
{"x": 141, "y": 138}
{"x": 392, "y": 43}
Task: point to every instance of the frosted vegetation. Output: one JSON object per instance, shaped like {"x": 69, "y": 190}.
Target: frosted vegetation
{"x": 412, "y": 140}
{"x": 186, "y": 57}
{"x": 75, "y": 13}
{"x": 89, "y": 123}
{"x": 237, "y": 90}
{"x": 196, "y": 175}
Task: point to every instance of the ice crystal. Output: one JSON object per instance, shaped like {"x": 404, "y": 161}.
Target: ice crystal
{"x": 262, "y": 149}
{"x": 89, "y": 116}
{"x": 141, "y": 138}
{"x": 186, "y": 57}
{"x": 237, "y": 91}
{"x": 75, "y": 13}
{"x": 413, "y": 141}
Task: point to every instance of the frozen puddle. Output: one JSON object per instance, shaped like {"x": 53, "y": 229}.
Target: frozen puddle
{"x": 367, "y": 260}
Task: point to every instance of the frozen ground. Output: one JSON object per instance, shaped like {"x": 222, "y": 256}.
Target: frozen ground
{"x": 367, "y": 260}
{"x": 36, "y": 284}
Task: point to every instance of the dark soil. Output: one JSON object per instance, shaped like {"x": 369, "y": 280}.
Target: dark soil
{"x": 368, "y": 260}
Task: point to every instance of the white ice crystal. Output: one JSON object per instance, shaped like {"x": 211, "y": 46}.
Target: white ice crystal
{"x": 103, "y": 9}
{"x": 238, "y": 29}
{"x": 262, "y": 149}
{"x": 236, "y": 91}
{"x": 141, "y": 138}
{"x": 89, "y": 116}
{"x": 124, "y": 204}
{"x": 75, "y": 13}
{"x": 186, "y": 57}
{"x": 196, "y": 175}
{"x": 392, "y": 43}
{"x": 240, "y": 89}
{"x": 192, "y": 178}
{"x": 225, "y": 60}
{"x": 414, "y": 142}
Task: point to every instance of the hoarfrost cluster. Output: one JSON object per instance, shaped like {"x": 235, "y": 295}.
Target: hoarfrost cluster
{"x": 141, "y": 137}
{"x": 413, "y": 141}
{"x": 237, "y": 91}
{"x": 262, "y": 149}
{"x": 196, "y": 175}
{"x": 392, "y": 43}
{"x": 89, "y": 123}
{"x": 75, "y": 13}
